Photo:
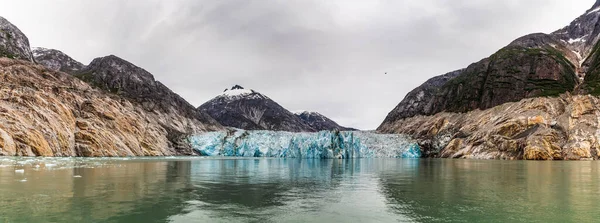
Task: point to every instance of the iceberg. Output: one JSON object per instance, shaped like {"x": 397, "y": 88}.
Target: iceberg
{"x": 320, "y": 145}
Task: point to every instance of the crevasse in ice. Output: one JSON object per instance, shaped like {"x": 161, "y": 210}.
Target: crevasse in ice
{"x": 320, "y": 145}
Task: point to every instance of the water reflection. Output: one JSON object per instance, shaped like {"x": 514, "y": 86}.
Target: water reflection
{"x": 113, "y": 192}
{"x": 467, "y": 191}
{"x": 275, "y": 190}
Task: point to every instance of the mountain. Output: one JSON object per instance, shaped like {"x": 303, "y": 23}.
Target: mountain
{"x": 120, "y": 77}
{"x": 250, "y": 110}
{"x": 319, "y": 122}
{"x": 533, "y": 99}
{"x": 13, "y": 43}
{"x": 45, "y": 112}
{"x": 56, "y": 60}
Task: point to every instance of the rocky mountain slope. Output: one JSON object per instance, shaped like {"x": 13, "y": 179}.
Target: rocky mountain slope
{"x": 537, "y": 66}
{"x": 250, "y": 110}
{"x": 13, "y": 43}
{"x": 44, "y": 112}
{"x": 120, "y": 77}
{"x": 420, "y": 100}
{"x": 543, "y": 128}
{"x": 320, "y": 122}
{"x": 56, "y": 60}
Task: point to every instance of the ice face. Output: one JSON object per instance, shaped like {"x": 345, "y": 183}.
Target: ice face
{"x": 321, "y": 145}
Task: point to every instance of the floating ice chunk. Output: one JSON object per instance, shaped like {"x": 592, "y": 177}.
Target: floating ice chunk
{"x": 24, "y": 180}
{"x": 77, "y": 176}
{"x": 20, "y": 171}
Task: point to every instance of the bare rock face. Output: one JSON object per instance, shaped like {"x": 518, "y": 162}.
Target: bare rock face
{"x": 56, "y": 60}
{"x": 13, "y": 43}
{"x": 320, "y": 122}
{"x": 560, "y": 128}
{"x": 50, "y": 113}
{"x": 250, "y": 110}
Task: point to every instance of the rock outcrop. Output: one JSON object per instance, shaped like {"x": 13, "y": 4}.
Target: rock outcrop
{"x": 56, "y": 60}
{"x": 320, "y": 122}
{"x": 250, "y": 110}
{"x": 51, "y": 113}
{"x": 13, "y": 43}
{"x": 559, "y": 128}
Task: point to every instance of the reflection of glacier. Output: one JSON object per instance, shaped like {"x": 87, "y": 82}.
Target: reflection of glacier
{"x": 321, "y": 145}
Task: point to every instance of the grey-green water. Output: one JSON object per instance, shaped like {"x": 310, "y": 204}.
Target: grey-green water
{"x": 279, "y": 190}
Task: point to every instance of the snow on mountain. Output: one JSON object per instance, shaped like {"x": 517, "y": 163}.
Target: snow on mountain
{"x": 56, "y": 60}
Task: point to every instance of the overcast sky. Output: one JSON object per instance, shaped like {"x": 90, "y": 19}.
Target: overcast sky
{"x": 329, "y": 56}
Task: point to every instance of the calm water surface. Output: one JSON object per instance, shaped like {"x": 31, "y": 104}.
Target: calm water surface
{"x": 279, "y": 190}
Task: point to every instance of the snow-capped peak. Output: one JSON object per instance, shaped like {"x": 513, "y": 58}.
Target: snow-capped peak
{"x": 239, "y": 92}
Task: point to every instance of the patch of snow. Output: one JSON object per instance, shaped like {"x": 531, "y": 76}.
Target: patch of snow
{"x": 580, "y": 39}
{"x": 299, "y": 112}
{"x": 594, "y": 10}
{"x": 237, "y": 92}
{"x": 306, "y": 113}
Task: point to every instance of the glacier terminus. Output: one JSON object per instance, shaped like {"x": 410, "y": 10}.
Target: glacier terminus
{"x": 318, "y": 145}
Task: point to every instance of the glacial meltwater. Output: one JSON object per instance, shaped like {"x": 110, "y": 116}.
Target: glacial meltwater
{"x": 296, "y": 190}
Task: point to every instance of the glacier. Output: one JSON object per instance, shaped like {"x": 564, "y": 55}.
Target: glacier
{"x": 319, "y": 145}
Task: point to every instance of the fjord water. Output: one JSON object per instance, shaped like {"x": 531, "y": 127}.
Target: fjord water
{"x": 296, "y": 190}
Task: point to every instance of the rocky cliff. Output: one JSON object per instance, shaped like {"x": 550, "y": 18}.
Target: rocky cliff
{"x": 50, "y": 113}
{"x": 250, "y": 110}
{"x": 56, "y": 60}
{"x": 515, "y": 104}
{"x": 13, "y": 43}
{"x": 543, "y": 128}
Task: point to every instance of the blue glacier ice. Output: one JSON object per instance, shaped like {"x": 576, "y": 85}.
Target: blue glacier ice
{"x": 320, "y": 145}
